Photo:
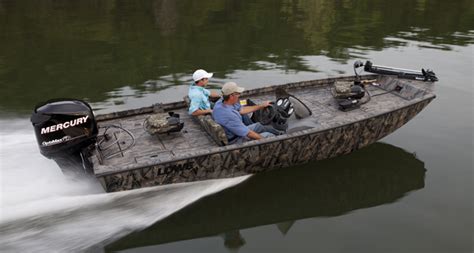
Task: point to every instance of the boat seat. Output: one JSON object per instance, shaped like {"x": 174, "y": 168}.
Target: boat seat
{"x": 211, "y": 127}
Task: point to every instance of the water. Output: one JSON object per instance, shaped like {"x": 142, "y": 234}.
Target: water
{"x": 412, "y": 192}
{"x": 282, "y": 201}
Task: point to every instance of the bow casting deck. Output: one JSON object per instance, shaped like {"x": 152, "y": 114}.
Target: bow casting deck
{"x": 193, "y": 154}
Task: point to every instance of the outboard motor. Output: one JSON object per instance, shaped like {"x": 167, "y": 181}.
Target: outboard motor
{"x": 64, "y": 129}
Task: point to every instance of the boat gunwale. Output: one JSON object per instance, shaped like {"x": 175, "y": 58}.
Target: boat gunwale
{"x": 249, "y": 144}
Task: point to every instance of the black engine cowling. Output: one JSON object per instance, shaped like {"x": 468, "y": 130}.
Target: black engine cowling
{"x": 64, "y": 127}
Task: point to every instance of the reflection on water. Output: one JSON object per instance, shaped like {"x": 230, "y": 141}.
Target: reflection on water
{"x": 376, "y": 175}
{"x": 90, "y": 48}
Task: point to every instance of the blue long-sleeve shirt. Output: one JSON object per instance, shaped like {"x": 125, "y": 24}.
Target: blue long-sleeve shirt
{"x": 229, "y": 117}
{"x": 199, "y": 97}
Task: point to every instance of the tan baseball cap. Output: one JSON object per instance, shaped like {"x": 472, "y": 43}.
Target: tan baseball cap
{"x": 230, "y": 88}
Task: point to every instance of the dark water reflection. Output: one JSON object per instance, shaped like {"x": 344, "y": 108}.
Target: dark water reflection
{"x": 88, "y": 49}
{"x": 377, "y": 175}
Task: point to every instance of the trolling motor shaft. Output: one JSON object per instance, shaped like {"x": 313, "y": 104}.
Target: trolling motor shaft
{"x": 423, "y": 75}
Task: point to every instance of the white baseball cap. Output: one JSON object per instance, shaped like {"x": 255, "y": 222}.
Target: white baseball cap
{"x": 230, "y": 88}
{"x": 200, "y": 74}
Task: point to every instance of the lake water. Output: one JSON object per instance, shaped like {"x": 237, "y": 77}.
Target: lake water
{"x": 410, "y": 192}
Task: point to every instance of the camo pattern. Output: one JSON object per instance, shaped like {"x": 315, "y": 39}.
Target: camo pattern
{"x": 212, "y": 128}
{"x": 342, "y": 89}
{"x": 157, "y": 123}
{"x": 258, "y": 156}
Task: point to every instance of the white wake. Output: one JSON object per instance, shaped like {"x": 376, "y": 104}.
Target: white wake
{"x": 41, "y": 211}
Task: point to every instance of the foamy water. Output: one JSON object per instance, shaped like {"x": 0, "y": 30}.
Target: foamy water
{"x": 42, "y": 211}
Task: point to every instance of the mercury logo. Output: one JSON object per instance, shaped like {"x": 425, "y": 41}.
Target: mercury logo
{"x": 61, "y": 126}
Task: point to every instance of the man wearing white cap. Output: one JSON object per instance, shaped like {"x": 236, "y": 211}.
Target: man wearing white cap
{"x": 198, "y": 95}
{"x": 228, "y": 113}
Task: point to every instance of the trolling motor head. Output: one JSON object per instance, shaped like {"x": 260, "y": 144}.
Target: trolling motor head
{"x": 429, "y": 75}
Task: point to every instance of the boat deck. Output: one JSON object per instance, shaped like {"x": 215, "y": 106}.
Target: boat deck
{"x": 155, "y": 149}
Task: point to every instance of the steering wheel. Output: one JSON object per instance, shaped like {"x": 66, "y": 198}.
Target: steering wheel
{"x": 267, "y": 114}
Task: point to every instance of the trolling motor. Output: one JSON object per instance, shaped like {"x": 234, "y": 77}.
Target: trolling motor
{"x": 349, "y": 94}
{"x": 423, "y": 75}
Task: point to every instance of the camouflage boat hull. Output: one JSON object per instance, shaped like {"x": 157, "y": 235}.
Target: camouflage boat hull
{"x": 258, "y": 156}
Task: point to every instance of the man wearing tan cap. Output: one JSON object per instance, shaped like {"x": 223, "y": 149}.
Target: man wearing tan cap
{"x": 228, "y": 113}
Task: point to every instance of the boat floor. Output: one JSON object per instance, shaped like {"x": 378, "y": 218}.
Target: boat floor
{"x": 164, "y": 147}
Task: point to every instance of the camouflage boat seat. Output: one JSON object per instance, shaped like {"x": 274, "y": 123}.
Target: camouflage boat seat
{"x": 210, "y": 126}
